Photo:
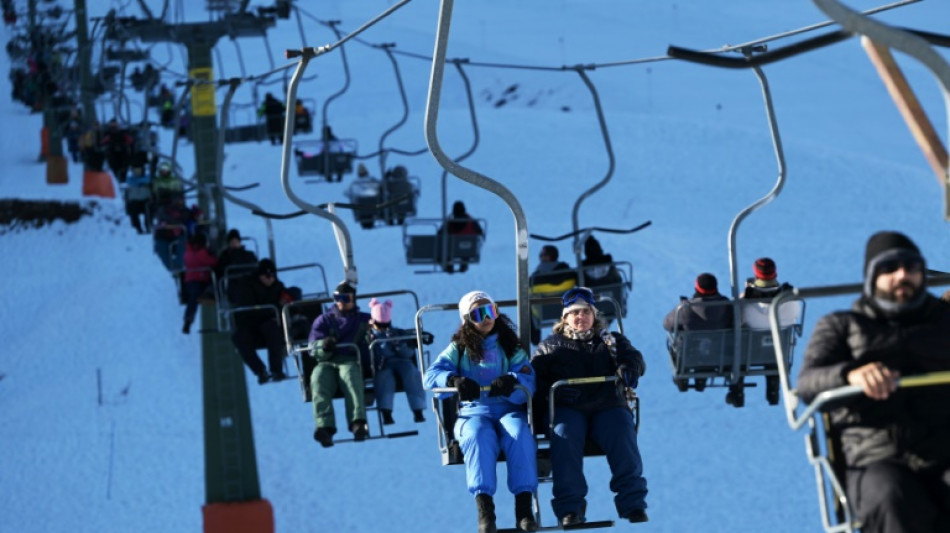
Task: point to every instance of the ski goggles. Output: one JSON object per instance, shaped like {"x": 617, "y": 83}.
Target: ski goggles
{"x": 482, "y": 312}
{"x": 910, "y": 265}
{"x": 578, "y": 293}
{"x": 342, "y": 297}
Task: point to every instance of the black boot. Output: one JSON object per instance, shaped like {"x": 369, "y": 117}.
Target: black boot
{"x": 418, "y": 417}
{"x": 486, "y": 513}
{"x": 387, "y": 416}
{"x": 524, "y": 512}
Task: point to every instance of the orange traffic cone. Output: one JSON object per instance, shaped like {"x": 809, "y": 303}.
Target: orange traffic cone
{"x": 97, "y": 183}
{"x": 255, "y": 516}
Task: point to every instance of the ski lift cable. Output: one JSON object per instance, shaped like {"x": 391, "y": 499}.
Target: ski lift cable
{"x": 475, "y": 178}
{"x": 643, "y": 60}
{"x": 591, "y": 229}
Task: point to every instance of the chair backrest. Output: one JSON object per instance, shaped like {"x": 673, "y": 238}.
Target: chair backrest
{"x": 421, "y": 249}
{"x": 467, "y": 247}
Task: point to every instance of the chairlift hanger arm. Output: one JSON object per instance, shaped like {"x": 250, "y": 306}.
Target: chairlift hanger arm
{"x": 436, "y": 79}
{"x": 716, "y": 59}
{"x": 594, "y": 228}
{"x": 339, "y": 228}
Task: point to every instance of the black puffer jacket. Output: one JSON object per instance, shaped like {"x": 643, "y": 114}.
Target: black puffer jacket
{"x": 248, "y": 291}
{"x": 913, "y": 425}
{"x": 559, "y": 357}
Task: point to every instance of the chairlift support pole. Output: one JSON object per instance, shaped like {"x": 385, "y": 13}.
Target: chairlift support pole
{"x": 470, "y": 176}
{"x": 84, "y": 51}
{"x": 915, "y": 46}
{"x": 230, "y": 458}
{"x": 599, "y": 185}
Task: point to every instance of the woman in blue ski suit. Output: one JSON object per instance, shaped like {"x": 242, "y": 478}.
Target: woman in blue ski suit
{"x": 484, "y": 362}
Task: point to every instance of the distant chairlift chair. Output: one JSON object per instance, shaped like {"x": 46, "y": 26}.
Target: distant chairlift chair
{"x": 312, "y": 161}
{"x": 708, "y": 357}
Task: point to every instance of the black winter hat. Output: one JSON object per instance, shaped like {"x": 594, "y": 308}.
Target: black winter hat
{"x": 884, "y": 246}
{"x": 266, "y": 266}
{"x": 345, "y": 287}
{"x": 592, "y": 247}
{"x": 706, "y": 284}
{"x": 233, "y": 234}
{"x": 891, "y": 244}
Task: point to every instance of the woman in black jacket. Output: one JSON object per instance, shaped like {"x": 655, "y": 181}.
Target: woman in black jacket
{"x": 582, "y": 347}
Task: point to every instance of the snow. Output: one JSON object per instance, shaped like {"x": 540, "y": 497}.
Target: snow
{"x": 101, "y": 426}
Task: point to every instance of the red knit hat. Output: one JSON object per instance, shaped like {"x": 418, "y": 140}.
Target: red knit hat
{"x": 764, "y": 268}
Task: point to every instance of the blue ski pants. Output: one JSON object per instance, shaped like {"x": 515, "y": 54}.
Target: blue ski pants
{"x": 411, "y": 383}
{"x": 482, "y": 437}
{"x": 613, "y": 430}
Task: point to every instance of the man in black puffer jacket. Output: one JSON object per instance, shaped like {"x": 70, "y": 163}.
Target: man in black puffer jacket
{"x": 896, "y": 443}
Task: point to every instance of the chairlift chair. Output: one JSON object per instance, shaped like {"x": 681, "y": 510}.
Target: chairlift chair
{"x": 317, "y": 158}
{"x": 394, "y": 187}
{"x": 446, "y": 410}
{"x": 422, "y": 240}
{"x": 365, "y": 194}
{"x": 250, "y": 128}
{"x": 298, "y": 348}
{"x": 708, "y": 358}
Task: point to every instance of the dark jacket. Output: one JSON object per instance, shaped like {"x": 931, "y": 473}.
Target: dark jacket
{"x": 699, "y": 316}
{"x": 559, "y": 357}
{"x": 248, "y": 291}
{"x": 234, "y": 256}
{"x": 912, "y": 425}
{"x": 344, "y": 327}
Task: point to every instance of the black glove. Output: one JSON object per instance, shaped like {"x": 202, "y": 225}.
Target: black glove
{"x": 329, "y": 343}
{"x": 629, "y": 376}
{"x": 468, "y": 388}
{"x": 503, "y": 385}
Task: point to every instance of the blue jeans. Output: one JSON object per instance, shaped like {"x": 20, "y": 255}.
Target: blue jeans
{"x": 482, "y": 437}
{"x": 193, "y": 290}
{"x": 171, "y": 252}
{"x": 612, "y": 429}
{"x": 411, "y": 383}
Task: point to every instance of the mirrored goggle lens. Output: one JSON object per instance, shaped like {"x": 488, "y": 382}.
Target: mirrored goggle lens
{"x": 343, "y": 297}
{"x": 893, "y": 265}
{"x": 581, "y": 293}
{"x": 482, "y": 312}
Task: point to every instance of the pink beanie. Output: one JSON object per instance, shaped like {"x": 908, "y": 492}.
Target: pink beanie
{"x": 381, "y": 311}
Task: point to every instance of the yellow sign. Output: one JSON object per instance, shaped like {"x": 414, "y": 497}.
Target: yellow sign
{"x": 202, "y": 94}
